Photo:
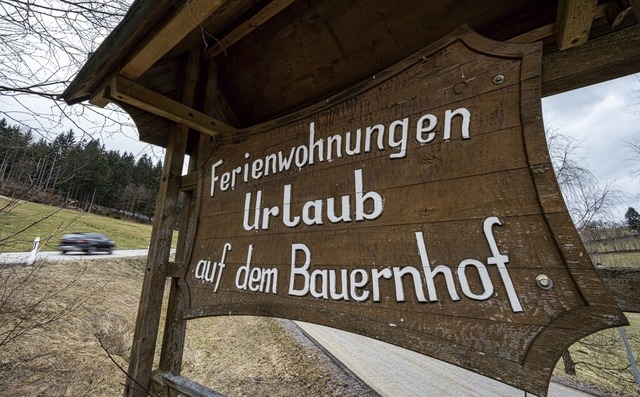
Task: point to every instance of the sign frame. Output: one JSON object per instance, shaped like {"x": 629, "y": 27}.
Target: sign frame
{"x": 529, "y": 370}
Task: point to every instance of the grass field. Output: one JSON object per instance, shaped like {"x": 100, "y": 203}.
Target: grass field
{"x": 615, "y": 248}
{"x": 50, "y": 223}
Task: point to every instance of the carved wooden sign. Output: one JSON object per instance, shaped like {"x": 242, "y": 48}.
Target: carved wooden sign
{"x": 419, "y": 208}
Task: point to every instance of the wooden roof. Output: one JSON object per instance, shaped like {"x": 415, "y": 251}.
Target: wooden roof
{"x": 259, "y": 60}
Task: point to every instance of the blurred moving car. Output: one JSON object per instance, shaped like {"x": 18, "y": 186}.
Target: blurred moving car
{"x": 86, "y": 242}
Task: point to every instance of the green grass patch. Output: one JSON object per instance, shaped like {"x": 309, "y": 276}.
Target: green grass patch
{"x": 50, "y": 223}
{"x": 617, "y": 259}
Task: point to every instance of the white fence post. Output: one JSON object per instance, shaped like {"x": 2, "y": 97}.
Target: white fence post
{"x": 34, "y": 251}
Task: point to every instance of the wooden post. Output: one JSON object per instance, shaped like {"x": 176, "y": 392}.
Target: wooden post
{"x": 138, "y": 382}
{"x": 175, "y": 325}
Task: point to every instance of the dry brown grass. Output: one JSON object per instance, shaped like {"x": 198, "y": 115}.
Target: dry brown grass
{"x": 65, "y": 358}
{"x": 239, "y": 356}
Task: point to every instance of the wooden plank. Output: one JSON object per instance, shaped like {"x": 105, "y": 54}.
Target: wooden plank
{"x": 124, "y": 90}
{"x": 189, "y": 181}
{"x": 548, "y": 30}
{"x": 186, "y": 19}
{"x": 141, "y": 17}
{"x": 247, "y": 27}
{"x": 624, "y": 285}
{"x": 635, "y": 6}
{"x": 336, "y": 45}
{"x": 185, "y": 386}
{"x": 147, "y": 323}
{"x": 175, "y": 269}
{"x": 573, "y": 22}
{"x": 146, "y": 331}
{"x": 578, "y": 67}
{"x": 175, "y": 326}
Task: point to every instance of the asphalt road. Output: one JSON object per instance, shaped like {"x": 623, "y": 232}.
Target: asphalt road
{"x": 11, "y": 258}
{"x": 395, "y": 372}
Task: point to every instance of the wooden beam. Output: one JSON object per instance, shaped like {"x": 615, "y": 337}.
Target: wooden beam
{"x": 175, "y": 269}
{"x": 124, "y": 90}
{"x": 148, "y": 318}
{"x": 573, "y": 22}
{"x": 618, "y": 55}
{"x": 247, "y": 27}
{"x": 635, "y": 6}
{"x": 184, "y": 21}
{"x": 185, "y": 386}
{"x": 617, "y": 12}
{"x": 548, "y": 30}
{"x": 189, "y": 181}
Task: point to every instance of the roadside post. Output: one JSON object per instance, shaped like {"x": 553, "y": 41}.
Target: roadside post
{"x": 34, "y": 251}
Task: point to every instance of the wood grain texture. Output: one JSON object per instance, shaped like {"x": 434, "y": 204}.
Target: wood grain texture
{"x": 186, "y": 387}
{"x": 123, "y": 90}
{"x": 148, "y": 318}
{"x": 248, "y": 26}
{"x": 168, "y": 35}
{"x": 435, "y": 196}
{"x": 573, "y": 22}
{"x": 577, "y": 67}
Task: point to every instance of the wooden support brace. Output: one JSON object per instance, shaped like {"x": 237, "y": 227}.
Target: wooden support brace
{"x": 124, "y": 90}
{"x": 186, "y": 387}
{"x": 188, "y": 17}
{"x": 247, "y": 27}
{"x": 573, "y": 22}
{"x": 147, "y": 323}
{"x": 577, "y": 67}
{"x": 635, "y": 6}
{"x": 548, "y": 30}
{"x": 175, "y": 269}
{"x": 175, "y": 326}
{"x": 189, "y": 181}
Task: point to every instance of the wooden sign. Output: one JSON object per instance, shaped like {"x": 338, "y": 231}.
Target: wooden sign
{"x": 419, "y": 208}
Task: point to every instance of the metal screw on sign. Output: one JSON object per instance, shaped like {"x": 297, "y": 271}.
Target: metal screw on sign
{"x": 498, "y": 79}
{"x": 544, "y": 282}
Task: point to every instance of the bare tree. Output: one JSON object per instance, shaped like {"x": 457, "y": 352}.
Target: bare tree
{"x": 43, "y": 44}
{"x": 587, "y": 198}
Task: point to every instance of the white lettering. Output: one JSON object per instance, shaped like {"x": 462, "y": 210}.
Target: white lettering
{"x": 466, "y": 120}
{"x": 402, "y": 142}
{"x": 299, "y": 271}
{"x": 362, "y": 197}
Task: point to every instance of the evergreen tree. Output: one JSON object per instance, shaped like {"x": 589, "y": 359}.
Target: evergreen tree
{"x": 633, "y": 219}
{"x": 82, "y": 171}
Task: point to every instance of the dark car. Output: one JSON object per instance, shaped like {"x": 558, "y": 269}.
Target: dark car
{"x": 86, "y": 242}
